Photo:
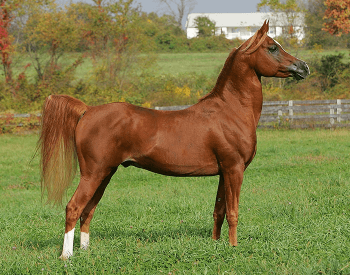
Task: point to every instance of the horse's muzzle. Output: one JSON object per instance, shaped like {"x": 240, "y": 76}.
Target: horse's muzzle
{"x": 299, "y": 70}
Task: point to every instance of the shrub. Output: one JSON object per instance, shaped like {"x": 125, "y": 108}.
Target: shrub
{"x": 329, "y": 69}
{"x": 213, "y": 44}
{"x": 166, "y": 90}
{"x": 9, "y": 123}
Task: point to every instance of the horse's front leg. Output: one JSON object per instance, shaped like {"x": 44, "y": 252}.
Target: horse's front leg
{"x": 219, "y": 210}
{"x": 233, "y": 179}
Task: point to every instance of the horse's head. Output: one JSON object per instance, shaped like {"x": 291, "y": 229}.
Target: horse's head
{"x": 268, "y": 58}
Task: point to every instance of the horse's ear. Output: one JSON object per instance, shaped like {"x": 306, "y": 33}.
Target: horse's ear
{"x": 265, "y": 27}
{"x": 260, "y": 35}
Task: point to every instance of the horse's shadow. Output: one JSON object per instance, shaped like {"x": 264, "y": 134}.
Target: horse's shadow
{"x": 155, "y": 235}
{"x": 151, "y": 235}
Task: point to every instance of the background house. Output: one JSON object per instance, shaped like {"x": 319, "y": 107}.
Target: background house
{"x": 244, "y": 25}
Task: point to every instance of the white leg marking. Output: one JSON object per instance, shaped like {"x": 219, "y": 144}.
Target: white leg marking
{"x": 84, "y": 240}
{"x": 68, "y": 245}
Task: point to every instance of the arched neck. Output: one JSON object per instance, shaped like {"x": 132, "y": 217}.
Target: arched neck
{"x": 238, "y": 85}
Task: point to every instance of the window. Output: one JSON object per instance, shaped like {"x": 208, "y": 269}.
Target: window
{"x": 232, "y": 30}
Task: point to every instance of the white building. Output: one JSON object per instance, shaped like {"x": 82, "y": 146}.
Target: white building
{"x": 244, "y": 25}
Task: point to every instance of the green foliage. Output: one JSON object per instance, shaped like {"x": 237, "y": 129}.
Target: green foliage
{"x": 329, "y": 79}
{"x": 167, "y": 41}
{"x": 294, "y": 215}
{"x": 213, "y": 44}
{"x": 205, "y": 26}
{"x": 49, "y": 34}
{"x": 167, "y": 90}
{"x": 329, "y": 69}
{"x": 161, "y": 32}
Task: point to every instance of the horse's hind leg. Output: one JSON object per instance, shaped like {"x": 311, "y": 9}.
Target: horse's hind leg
{"x": 219, "y": 210}
{"x": 89, "y": 210}
{"x": 85, "y": 192}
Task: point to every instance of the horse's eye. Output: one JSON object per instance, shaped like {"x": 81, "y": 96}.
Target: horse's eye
{"x": 273, "y": 49}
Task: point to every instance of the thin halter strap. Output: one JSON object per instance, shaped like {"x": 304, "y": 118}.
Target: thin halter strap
{"x": 257, "y": 45}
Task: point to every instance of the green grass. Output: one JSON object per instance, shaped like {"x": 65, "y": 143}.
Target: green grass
{"x": 294, "y": 215}
{"x": 201, "y": 63}
{"x": 211, "y": 63}
{"x": 169, "y": 63}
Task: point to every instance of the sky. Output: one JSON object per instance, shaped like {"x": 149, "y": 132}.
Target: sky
{"x": 217, "y": 6}
{"x": 203, "y": 6}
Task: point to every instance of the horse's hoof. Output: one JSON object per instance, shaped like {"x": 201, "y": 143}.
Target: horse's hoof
{"x": 64, "y": 257}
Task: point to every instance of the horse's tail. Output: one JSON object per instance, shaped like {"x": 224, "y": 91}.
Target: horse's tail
{"x": 60, "y": 116}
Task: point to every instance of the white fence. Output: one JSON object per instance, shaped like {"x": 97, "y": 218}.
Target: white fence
{"x": 299, "y": 113}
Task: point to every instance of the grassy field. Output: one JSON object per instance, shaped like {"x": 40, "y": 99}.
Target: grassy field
{"x": 294, "y": 215}
{"x": 170, "y": 63}
{"x": 209, "y": 63}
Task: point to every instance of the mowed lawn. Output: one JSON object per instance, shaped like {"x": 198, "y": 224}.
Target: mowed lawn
{"x": 294, "y": 215}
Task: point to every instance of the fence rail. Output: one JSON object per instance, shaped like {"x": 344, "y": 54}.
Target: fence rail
{"x": 276, "y": 114}
{"x": 299, "y": 113}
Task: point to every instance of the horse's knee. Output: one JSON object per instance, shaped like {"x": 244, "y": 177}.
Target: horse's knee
{"x": 218, "y": 217}
{"x": 72, "y": 216}
{"x": 232, "y": 220}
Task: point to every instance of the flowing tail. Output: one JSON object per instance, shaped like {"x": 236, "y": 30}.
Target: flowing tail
{"x": 60, "y": 116}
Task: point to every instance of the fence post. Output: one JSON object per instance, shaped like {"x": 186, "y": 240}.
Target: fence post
{"x": 279, "y": 114}
{"x": 331, "y": 112}
{"x": 290, "y": 104}
{"x": 339, "y": 110}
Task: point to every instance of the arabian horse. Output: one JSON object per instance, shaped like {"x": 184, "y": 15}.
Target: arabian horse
{"x": 216, "y": 136}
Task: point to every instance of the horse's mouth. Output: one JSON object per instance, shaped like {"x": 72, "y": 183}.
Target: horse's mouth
{"x": 298, "y": 75}
{"x": 299, "y": 70}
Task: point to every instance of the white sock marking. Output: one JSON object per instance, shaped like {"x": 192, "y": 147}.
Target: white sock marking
{"x": 68, "y": 244}
{"x": 84, "y": 240}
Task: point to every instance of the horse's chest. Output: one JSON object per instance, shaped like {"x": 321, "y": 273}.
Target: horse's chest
{"x": 237, "y": 141}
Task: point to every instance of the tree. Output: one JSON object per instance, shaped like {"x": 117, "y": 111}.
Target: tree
{"x": 50, "y": 34}
{"x": 114, "y": 37}
{"x": 337, "y": 17}
{"x": 178, "y": 8}
{"x": 314, "y": 35}
{"x": 205, "y": 26}
{"x": 6, "y": 47}
{"x": 13, "y": 17}
{"x": 290, "y": 10}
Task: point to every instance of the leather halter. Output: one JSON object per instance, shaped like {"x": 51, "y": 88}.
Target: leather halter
{"x": 262, "y": 39}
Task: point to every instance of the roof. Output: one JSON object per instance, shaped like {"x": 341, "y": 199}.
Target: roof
{"x": 237, "y": 19}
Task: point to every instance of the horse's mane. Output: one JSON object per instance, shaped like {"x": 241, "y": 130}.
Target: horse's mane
{"x": 223, "y": 75}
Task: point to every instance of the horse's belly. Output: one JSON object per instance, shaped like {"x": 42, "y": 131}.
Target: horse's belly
{"x": 174, "y": 165}
{"x": 180, "y": 170}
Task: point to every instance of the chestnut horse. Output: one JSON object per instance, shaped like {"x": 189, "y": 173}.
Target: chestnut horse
{"x": 216, "y": 136}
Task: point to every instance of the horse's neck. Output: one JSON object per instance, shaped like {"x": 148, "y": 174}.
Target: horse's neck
{"x": 240, "y": 85}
